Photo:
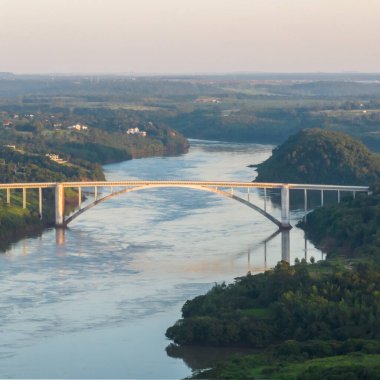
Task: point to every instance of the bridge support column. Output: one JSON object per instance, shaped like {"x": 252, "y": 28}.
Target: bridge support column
{"x": 305, "y": 199}
{"x": 265, "y": 199}
{"x": 24, "y": 197}
{"x": 79, "y": 198}
{"x": 40, "y": 202}
{"x": 59, "y": 205}
{"x": 285, "y": 211}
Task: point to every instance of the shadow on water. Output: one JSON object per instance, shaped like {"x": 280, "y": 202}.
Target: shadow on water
{"x": 32, "y": 232}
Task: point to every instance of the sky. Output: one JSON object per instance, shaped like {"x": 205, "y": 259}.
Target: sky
{"x": 189, "y": 36}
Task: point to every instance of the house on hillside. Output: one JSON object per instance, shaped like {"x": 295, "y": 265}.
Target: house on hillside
{"x": 78, "y": 127}
{"x": 136, "y": 131}
{"x": 55, "y": 158}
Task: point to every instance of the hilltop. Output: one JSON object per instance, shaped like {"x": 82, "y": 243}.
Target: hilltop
{"x": 319, "y": 156}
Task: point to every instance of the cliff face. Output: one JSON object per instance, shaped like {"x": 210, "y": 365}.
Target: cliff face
{"x": 318, "y": 156}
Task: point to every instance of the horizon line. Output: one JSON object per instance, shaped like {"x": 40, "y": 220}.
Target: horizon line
{"x": 174, "y": 74}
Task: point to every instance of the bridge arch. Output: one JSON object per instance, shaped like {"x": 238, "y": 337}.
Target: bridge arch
{"x": 188, "y": 186}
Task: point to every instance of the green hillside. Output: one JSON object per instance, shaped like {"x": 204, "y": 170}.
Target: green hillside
{"x": 319, "y": 156}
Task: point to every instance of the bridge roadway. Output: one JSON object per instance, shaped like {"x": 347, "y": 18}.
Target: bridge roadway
{"x": 218, "y": 187}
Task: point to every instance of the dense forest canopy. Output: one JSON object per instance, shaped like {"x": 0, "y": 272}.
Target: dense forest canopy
{"x": 291, "y": 315}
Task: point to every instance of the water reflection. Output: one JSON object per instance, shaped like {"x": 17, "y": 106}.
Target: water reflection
{"x": 198, "y": 358}
{"x": 285, "y": 246}
{"x": 60, "y": 235}
{"x": 60, "y": 238}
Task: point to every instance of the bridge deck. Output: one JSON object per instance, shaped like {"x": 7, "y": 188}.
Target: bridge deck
{"x": 218, "y": 187}
{"x": 171, "y": 183}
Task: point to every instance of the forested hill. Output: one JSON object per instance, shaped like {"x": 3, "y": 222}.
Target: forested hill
{"x": 319, "y": 156}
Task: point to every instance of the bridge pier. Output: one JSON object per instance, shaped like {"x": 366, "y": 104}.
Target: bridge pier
{"x": 265, "y": 199}
{"x": 285, "y": 210}
{"x": 59, "y": 205}
{"x": 40, "y": 202}
{"x": 305, "y": 200}
{"x": 24, "y": 197}
{"x": 79, "y": 197}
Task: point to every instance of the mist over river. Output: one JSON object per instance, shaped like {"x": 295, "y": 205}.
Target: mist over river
{"x": 95, "y": 301}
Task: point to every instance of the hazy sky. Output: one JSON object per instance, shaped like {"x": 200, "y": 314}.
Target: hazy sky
{"x": 189, "y": 36}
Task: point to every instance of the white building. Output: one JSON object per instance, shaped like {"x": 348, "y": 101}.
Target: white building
{"x": 136, "y": 131}
{"x": 55, "y": 158}
{"x": 78, "y": 127}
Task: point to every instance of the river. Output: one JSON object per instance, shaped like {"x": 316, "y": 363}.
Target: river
{"x": 95, "y": 301}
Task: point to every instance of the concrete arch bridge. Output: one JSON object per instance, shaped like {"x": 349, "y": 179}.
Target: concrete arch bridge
{"x": 222, "y": 188}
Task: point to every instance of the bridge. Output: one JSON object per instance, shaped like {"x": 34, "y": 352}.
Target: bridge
{"x": 222, "y": 188}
